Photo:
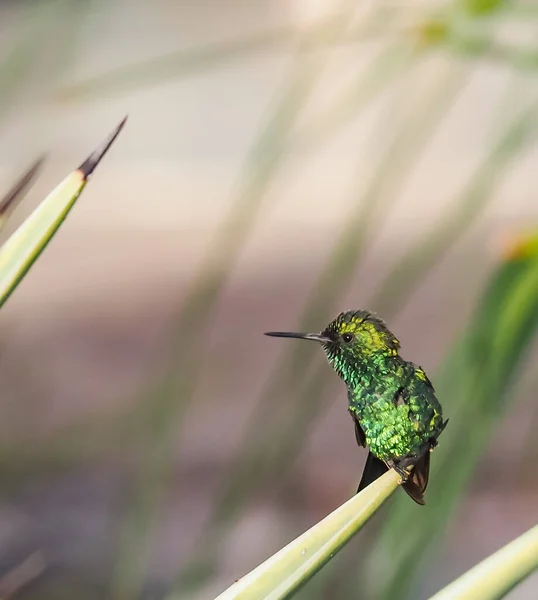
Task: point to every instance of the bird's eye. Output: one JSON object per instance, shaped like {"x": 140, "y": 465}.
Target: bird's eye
{"x": 347, "y": 337}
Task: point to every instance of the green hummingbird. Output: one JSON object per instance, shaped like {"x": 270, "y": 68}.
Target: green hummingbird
{"x": 392, "y": 402}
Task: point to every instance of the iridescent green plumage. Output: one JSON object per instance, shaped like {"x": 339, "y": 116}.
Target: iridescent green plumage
{"x": 392, "y": 401}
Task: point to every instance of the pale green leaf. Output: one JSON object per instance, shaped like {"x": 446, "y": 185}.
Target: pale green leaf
{"x": 22, "y": 249}
{"x": 290, "y": 568}
{"x": 498, "y": 574}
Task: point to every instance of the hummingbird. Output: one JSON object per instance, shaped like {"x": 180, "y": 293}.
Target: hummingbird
{"x": 395, "y": 411}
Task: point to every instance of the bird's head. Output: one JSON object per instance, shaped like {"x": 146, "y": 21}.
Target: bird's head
{"x": 354, "y": 339}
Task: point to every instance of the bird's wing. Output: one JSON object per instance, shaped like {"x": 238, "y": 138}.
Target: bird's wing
{"x": 373, "y": 468}
{"x": 422, "y": 375}
{"x": 359, "y": 433}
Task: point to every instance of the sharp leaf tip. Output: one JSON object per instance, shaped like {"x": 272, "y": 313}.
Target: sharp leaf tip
{"x": 89, "y": 165}
{"x": 18, "y": 191}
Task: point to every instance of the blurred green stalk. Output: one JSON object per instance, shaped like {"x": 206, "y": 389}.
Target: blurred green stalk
{"x": 498, "y": 574}
{"x": 16, "y": 194}
{"x": 195, "y": 318}
{"x": 16, "y": 65}
{"x": 213, "y": 55}
{"x": 388, "y": 64}
{"x": 194, "y": 60}
{"x": 421, "y": 258}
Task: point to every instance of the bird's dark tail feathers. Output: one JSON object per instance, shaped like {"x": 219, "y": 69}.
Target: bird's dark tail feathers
{"x": 373, "y": 468}
{"x": 415, "y": 484}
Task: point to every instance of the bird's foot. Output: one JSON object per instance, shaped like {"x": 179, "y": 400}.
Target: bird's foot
{"x": 401, "y": 469}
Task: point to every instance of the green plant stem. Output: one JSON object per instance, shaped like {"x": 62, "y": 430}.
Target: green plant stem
{"x": 494, "y": 577}
{"x": 182, "y": 63}
{"x": 18, "y": 63}
{"x": 285, "y": 572}
{"x": 420, "y": 259}
{"x": 195, "y": 318}
{"x": 213, "y": 55}
{"x": 390, "y": 63}
{"x": 484, "y": 48}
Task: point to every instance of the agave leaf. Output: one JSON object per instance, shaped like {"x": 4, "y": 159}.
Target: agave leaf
{"x": 22, "y": 249}
{"x": 18, "y": 191}
{"x": 497, "y": 574}
{"x": 290, "y": 568}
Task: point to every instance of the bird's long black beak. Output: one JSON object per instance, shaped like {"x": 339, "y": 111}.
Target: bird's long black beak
{"x": 315, "y": 337}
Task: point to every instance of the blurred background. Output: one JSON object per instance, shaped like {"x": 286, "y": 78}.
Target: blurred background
{"x": 283, "y": 161}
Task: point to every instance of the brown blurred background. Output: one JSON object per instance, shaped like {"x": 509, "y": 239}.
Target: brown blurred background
{"x": 258, "y": 132}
